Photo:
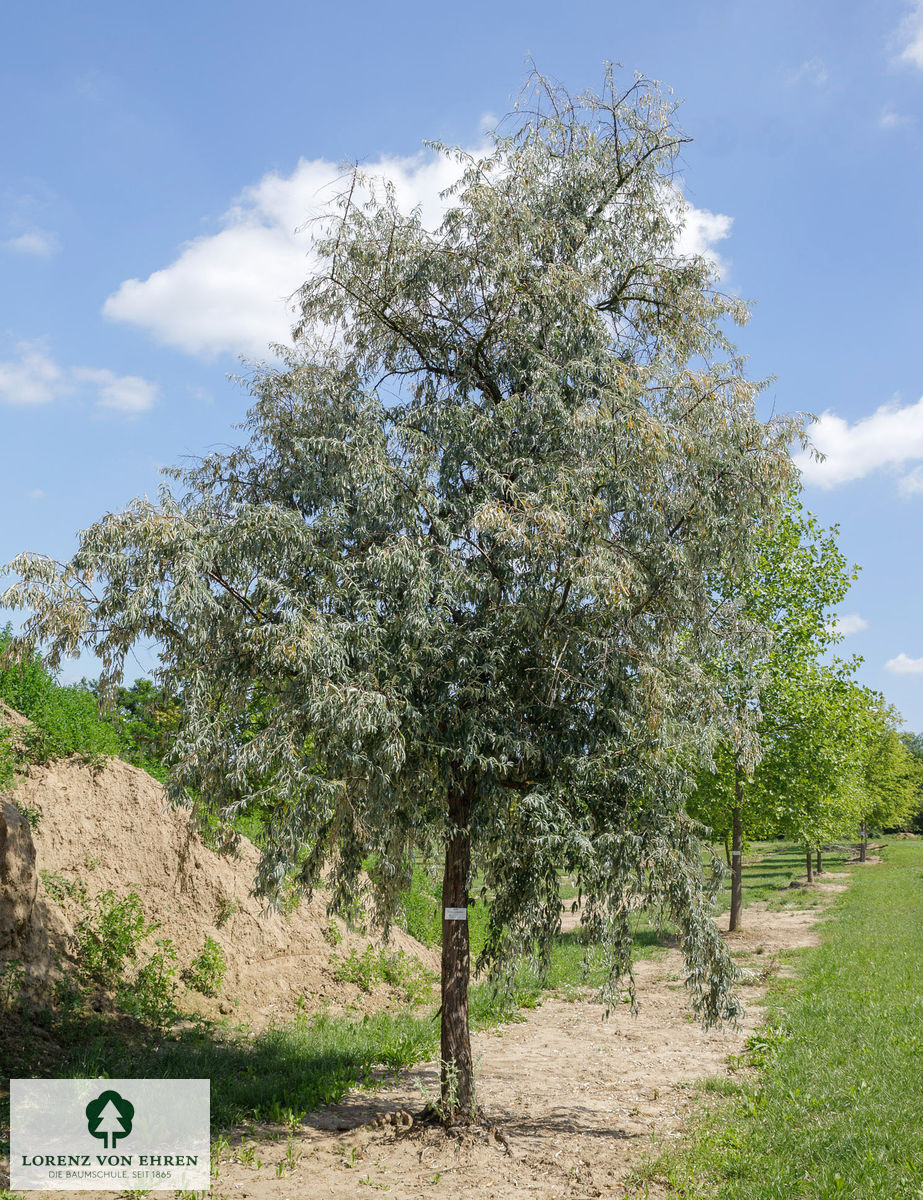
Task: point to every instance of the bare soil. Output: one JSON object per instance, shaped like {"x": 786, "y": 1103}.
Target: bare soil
{"x": 108, "y": 828}
{"x": 573, "y": 1101}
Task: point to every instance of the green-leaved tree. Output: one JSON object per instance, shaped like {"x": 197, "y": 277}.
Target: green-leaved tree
{"x": 780, "y": 703}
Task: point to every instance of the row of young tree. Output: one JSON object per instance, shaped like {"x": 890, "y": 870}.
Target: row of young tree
{"x": 812, "y": 756}
{"x": 508, "y": 570}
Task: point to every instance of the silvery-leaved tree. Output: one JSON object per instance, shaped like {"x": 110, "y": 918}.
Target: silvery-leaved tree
{"x": 464, "y": 557}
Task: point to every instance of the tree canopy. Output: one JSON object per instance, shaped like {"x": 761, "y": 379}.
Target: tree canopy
{"x": 466, "y": 551}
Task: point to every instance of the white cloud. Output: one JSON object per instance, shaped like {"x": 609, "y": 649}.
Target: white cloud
{"x": 904, "y": 665}
{"x": 890, "y": 437}
{"x": 36, "y": 494}
{"x": 912, "y": 483}
{"x": 125, "y": 393}
{"x": 910, "y": 36}
{"x": 701, "y": 230}
{"x": 228, "y": 292}
{"x": 812, "y": 70}
{"x": 33, "y": 378}
{"x": 849, "y": 623}
{"x": 888, "y": 118}
{"x": 38, "y": 242}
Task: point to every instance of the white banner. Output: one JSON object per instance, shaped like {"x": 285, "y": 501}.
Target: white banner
{"x": 118, "y": 1134}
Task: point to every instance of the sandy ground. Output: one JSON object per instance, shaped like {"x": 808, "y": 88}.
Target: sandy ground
{"x": 107, "y": 828}
{"x": 574, "y": 1101}
{"x": 577, "y": 1099}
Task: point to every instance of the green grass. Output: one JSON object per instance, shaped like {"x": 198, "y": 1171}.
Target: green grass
{"x": 769, "y": 868}
{"x": 834, "y": 1106}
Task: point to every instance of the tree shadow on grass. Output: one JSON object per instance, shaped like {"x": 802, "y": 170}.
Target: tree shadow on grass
{"x": 277, "y": 1075}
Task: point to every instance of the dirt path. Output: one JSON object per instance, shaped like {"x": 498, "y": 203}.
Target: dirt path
{"x": 579, "y": 1099}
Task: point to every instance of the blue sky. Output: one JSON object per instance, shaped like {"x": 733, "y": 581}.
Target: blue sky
{"x": 158, "y": 160}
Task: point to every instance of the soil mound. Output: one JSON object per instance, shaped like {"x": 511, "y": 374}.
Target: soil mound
{"x": 108, "y": 828}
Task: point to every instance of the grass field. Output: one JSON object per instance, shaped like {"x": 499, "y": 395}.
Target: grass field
{"x": 833, "y": 1103}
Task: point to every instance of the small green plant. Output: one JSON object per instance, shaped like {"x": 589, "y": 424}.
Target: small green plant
{"x": 205, "y": 973}
{"x": 9, "y": 760}
{"x": 151, "y": 995}
{"x": 372, "y": 967}
{"x": 60, "y": 888}
{"x": 246, "y": 1156}
{"x": 291, "y": 1159}
{"x": 332, "y": 934}
{"x": 225, "y": 909}
{"x": 108, "y": 935}
{"x": 444, "y": 1103}
{"x": 32, "y": 815}
{"x": 219, "y": 1147}
{"x": 107, "y": 941}
{"x": 12, "y": 977}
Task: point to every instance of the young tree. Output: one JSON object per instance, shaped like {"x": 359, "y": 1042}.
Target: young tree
{"x": 810, "y": 780}
{"x": 771, "y": 680}
{"x": 914, "y": 744}
{"x": 468, "y": 552}
{"x": 892, "y": 773}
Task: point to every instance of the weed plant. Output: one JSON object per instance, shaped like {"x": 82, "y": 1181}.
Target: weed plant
{"x": 206, "y": 972}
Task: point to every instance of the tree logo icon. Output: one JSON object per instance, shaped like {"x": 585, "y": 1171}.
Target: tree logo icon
{"x": 109, "y": 1116}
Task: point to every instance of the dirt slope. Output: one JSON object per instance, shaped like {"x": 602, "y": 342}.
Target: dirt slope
{"x": 109, "y": 828}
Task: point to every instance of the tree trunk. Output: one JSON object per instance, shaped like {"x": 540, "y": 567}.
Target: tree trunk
{"x": 810, "y": 865}
{"x": 737, "y": 855}
{"x": 727, "y": 847}
{"x": 864, "y": 844}
{"x": 820, "y": 864}
{"x": 457, "y": 1071}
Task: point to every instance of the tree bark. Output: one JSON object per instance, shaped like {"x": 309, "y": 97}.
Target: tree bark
{"x": 820, "y": 864}
{"x": 864, "y": 844}
{"x": 457, "y": 1071}
{"x": 737, "y": 847}
{"x": 810, "y": 865}
{"x": 727, "y": 847}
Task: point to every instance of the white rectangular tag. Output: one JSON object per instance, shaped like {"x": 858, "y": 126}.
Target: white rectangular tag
{"x": 126, "y": 1135}
{"x": 456, "y": 914}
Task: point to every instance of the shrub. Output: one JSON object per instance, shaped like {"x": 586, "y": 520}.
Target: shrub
{"x": 8, "y": 760}
{"x": 206, "y": 971}
{"x": 32, "y": 815}
{"x": 109, "y": 934}
{"x": 108, "y": 940}
{"x": 151, "y": 994}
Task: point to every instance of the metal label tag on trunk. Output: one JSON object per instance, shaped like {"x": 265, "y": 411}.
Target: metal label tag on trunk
{"x": 456, "y": 914}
